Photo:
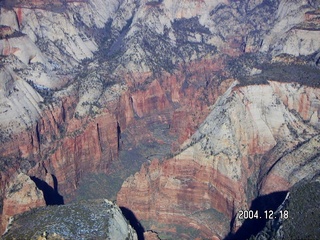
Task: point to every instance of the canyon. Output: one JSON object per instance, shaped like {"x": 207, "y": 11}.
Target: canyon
{"x": 184, "y": 113}
{"x": 248, "y": 146}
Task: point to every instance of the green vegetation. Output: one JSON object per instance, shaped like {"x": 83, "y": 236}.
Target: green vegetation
{"x": 304, "y": 212}
{"x": 98, "y": 185}
{"x": 304, "y": 216}
{"x": 300, "y": 71}
{"x": 302, "y": 74}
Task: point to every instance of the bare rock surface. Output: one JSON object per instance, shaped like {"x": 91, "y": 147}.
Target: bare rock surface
{"x": 21, "y": 195}
{"x": 90, "y": 90}
{"x": 248, "y": 145}
{"x": 98, "y": 219}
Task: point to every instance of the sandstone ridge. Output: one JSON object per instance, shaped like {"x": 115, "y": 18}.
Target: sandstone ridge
{"x": 236, "y": 155}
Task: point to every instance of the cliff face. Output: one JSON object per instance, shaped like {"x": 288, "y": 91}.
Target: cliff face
{"x": 257, "y": 140}
{"x": 21, "y": 195}
{"x": 61, "y": 142}
{"x": 96, "y": 87}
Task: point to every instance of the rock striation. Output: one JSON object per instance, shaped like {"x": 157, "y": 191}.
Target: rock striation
{"x": 254, "y": 142}
{"x": 95, "y": 88}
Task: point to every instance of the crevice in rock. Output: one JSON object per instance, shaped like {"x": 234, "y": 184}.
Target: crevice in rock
{"x": 63, "y": 113}
{"x": 232, "y": 222}
{"x": 51, "y": 195}
{"x": 250, "y": 227}
{"x": 38, "y": 133}
{"x": 134, "y": 222}
{"x": 132, "y": 107}
{"x": 99, "y": 137}
{"x": 118, "y": 135}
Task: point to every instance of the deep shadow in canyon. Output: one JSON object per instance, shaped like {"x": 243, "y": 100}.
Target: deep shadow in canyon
{"x": 134, "y": 222}
{"x": 51, "y": 195}
{"x": 253, "y": 226}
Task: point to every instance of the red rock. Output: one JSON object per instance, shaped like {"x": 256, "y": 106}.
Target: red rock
{"x": 7, "y": 49}
{"x": 19, "y": 15}
{"x": 180, "y": 188}
{"x": 313, "y": 16}
{"x": 69, "y": 148}
{"x": 151, "y": 100}
{"x": 21, "y": 195}
{"x": 183, "y": 190}
{"x": 274, "y": 183}
{"x": 149, "y": 235}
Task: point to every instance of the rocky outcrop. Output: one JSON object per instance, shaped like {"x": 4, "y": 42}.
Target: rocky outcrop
{"x": 235, "y": 156}
{"x": 295, "y": 32}
{"x": 301, "y": 40}
{"x": 17, "y": 114}
{"x": 92, "y": 87}
{"x": 21, "y": 195}
{"x": 63, "y": 43}
{"x": 6, "y": 31}
{"x": 99, "y": 219}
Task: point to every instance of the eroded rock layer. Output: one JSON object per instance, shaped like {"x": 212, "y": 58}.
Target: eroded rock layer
{"x": 90, "y": 90}
{"x": 257, "y": 140}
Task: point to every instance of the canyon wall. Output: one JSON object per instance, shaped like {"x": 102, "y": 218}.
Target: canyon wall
{"x": 96, "y": 87}
{"x": 257, "y": 140}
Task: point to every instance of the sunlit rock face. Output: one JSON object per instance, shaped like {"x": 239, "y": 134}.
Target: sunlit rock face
{"x": 21, "y": 195}
{"x": 237, "y": 154}
{"x": 97, "y": 88}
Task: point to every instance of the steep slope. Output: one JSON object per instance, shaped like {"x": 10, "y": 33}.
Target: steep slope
{"x": 304, "y": 214}
{"x": 93, "y": 89}
{"x": 257, "y": 140}
{"x": 21, "y": 195}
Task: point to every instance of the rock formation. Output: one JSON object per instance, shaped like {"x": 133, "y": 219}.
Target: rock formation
{"x": 226, "y": 92}
{"x": 99, "y": 219}
{"x": 254, "y": 142}
{"x": 21, "y": 195}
